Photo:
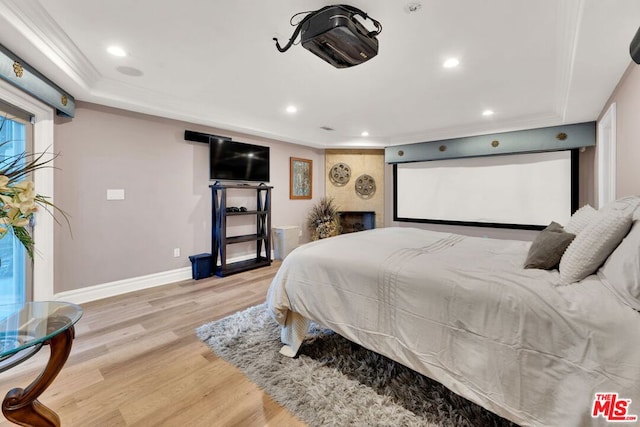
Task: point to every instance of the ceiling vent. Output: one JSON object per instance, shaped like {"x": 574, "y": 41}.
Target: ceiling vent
{"x": 334, "y": 34}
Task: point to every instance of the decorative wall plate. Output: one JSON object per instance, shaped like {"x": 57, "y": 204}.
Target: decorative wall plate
{"x": 340, "y": 174}
{"x": 365, "y": 186}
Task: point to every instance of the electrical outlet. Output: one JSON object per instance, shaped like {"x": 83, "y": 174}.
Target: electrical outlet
{"x": 176, "y": 252}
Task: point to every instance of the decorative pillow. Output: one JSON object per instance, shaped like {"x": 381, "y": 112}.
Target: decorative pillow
{"x": 621, "y": 271}
{"x": 580, "y": 219}
{"x": 593, "y": 245}
{"x": 547, "y": 249}
{"x": 627, "y": 204}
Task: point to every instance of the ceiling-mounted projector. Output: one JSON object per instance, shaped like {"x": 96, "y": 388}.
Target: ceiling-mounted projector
{"x": 334, "y": 34}
{"x": 634, "y": 48}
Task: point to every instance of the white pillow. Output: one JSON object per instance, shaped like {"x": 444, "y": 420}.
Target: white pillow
{"x": 627, "y": 204}
{"x": 593, "y": 245}
{"x": 580, "y": 219}
{"x": 621, "y": 271}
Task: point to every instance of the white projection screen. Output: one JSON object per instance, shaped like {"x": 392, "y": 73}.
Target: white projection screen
{"x": 510, "y": 191}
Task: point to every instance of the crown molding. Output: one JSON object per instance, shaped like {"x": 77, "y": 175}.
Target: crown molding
{"x": 32, "y": 21}
{"x": 570, "y": 14}
{"x": 474, "y": 129}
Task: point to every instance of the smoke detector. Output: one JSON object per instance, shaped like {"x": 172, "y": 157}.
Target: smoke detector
{"x": 413, "y": 7}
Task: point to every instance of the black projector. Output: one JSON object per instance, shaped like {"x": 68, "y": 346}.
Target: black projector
{"x": 337, "y": 37}
{"x": 634, "y": 48}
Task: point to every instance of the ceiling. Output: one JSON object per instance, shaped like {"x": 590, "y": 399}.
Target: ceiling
{"x": 534, "y": 63}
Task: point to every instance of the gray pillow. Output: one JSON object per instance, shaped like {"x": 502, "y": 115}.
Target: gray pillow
{"x": 547, "y": 249}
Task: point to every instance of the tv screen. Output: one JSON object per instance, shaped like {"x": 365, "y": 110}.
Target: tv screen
{"x": 237, "y": 161}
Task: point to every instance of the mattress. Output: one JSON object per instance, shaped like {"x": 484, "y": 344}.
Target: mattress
{"x": 464, "y": 311}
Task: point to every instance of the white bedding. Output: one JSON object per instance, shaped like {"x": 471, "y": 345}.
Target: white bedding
{"x": 464, "y": 311}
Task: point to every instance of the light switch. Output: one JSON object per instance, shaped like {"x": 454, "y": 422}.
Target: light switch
{"x": 115, "y": 194}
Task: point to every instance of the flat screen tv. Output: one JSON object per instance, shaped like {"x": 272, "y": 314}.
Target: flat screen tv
{"x": 237, "y": 161}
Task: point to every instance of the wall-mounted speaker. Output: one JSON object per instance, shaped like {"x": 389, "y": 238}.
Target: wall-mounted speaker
{"x": 634, "y": 48}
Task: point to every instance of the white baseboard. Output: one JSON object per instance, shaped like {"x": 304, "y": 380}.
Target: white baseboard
{"x": 119, "y": 287}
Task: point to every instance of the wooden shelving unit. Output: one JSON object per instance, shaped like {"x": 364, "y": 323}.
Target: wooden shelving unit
{"x": 220, "y": 218}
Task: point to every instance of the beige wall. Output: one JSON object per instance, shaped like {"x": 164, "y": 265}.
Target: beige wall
{"x": 167, "y": 202}
{"x": 370, "y": 162}
{"x": 627, "y": 99}
{"x": 167, "y": 198}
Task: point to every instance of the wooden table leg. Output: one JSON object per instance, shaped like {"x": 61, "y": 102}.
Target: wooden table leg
{"x": 22, "y": 406}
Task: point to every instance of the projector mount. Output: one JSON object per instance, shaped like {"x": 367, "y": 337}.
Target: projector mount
{"x": 333, "y": 34}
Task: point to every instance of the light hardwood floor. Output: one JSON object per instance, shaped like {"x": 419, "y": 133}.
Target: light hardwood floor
{"x": 136, "y": 361}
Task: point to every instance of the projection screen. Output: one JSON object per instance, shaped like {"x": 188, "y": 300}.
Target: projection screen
{"x": 512, "y": 191}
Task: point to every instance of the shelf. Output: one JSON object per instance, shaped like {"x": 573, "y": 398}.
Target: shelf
{"x": 241, "y": 186}
{"x": 261, "y": 238}
{"x": 237, "y": 267}
{"x": 244, "y": 238}
{"x": 245, "y": 213}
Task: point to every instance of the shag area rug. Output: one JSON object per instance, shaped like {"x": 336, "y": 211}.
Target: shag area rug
{"x": 334, "y": 382}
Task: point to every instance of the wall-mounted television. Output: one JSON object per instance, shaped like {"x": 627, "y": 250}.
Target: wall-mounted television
{"x": 237, "y": 161}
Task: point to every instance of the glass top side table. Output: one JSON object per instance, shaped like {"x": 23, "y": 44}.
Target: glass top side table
{"x": 24, "y": 329}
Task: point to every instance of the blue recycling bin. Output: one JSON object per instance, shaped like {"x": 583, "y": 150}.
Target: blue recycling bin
{"x": 201, "y": 266}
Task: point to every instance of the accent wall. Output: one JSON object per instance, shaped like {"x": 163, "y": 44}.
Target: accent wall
{"x": 167, "y": 199}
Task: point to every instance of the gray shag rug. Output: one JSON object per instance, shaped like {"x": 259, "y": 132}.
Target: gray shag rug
{"x": 334, "y": 382}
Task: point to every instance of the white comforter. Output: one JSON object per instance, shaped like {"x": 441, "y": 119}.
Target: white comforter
{"x": 464, "y": 312}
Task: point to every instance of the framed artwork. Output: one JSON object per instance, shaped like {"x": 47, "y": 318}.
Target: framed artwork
{"x": 300, "y": 178}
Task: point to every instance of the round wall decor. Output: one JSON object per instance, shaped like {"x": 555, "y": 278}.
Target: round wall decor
{"x": 365, "y": 186}
{"x": 340, "y": 174}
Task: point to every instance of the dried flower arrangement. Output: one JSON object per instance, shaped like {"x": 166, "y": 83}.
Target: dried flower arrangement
{"x": 324, "y": 220}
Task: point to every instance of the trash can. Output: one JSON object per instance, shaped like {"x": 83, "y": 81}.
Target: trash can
{"x": 201, "y": 266}
{"x": 285, "y": 239}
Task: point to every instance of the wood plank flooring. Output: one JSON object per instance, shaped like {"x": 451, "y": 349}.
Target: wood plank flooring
{"x": 136, "y": 361}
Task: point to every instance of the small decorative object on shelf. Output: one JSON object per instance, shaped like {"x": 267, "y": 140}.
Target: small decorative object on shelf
{"x": 324, "y": 219}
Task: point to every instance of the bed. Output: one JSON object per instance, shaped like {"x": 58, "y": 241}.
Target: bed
{"x": 529, "y": 344}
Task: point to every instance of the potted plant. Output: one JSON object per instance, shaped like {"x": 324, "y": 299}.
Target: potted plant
{"x": 324, "y": 220}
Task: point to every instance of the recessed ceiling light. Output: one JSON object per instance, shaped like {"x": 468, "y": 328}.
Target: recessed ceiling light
{"x": 292, "y": 109}
{"x": 116, "y": 51}
{"x": 364, "y": 133}
{"x": 487, "y": 113}
{"x": 451, "y": 63}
